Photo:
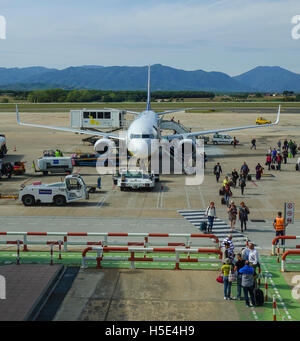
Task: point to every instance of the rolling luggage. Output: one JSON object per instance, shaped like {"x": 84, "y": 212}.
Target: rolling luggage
{"x": 223, "y": 202}
{"x": 221, "y": 191}
{"x": 203, "y": 226}
{"x": 259, "y": 297}
{"x": 273, "y": 167}
{"x": 249, "y": 177}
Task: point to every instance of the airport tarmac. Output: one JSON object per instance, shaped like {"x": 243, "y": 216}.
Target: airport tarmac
{"x": 111, "y": 210}
{"x": 170, "y": 194}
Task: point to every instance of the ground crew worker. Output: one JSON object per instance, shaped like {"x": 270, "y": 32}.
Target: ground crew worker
{"x": 279, "y": 226}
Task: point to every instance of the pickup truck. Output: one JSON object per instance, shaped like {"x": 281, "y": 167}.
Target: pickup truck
{"x": 135, "y": 179}
{"x": 72, "y": 189}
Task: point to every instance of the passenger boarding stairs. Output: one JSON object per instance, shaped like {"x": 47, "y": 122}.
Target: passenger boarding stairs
{"x": 220, "y": 228}
{"x": 173, "y": 125}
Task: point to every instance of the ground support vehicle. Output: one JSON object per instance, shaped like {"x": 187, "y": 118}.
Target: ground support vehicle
{"x": 72, "y": 189}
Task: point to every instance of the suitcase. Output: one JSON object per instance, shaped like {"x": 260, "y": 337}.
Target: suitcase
{"x": 249, "y": 177}
{"x": 277, "y": 167}
{"x": 223, "y": 202}
{"x": 259, "y": 297}
{"x": 272, "y": 167}
{"x": 221, "y": 191}
{"x": 203, "y": 226}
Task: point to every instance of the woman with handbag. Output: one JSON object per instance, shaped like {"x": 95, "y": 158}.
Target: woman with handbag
{"x": 226, "y": 269}
{"x": 232, "y": 213}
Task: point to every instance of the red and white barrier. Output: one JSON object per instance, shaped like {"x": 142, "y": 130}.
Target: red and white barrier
{"x": 274, "y": 308}
{"x": 284, "y": 261}
{"x": 274, "y": 241}
{"x": 146, "y": 243}
{"x": 101, "y": 250}
{"x": 266, "y": 288}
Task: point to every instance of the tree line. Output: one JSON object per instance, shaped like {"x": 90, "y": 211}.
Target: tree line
{"x": 61, "y": 95}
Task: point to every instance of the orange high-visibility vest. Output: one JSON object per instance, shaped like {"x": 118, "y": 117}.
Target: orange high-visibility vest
{"x": 279, "y": 225}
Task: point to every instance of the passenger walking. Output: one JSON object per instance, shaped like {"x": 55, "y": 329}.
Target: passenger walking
{"x": 226, "y": 181}
{"x": 285, "y": 155}
{"x": 259, "y": 170}
{"x": 294, "y": 149}
{"x": 245, "y": 169}
{"x": 274, "y": 154}
{"x": 243, "y": 216}
{"x": 253, "y": 144}
{"x": 211, "y": 215}
{"x": 279, "y": 160}
{"x": 217, "y": 171}
{"x": 227, "y": 194}
{"x": 234, "y": 176}
{"x": 226, "y": 269}
{"x": 279, "y": 226}
{"x": 232, "y": 213}
{"x": 279, "y": 145}
{"x": 247, "y": 273}
{"x": 239, "y": 264}
{"x": 242, "y": 183}
{"x": 285, "y": 144}
{"x": 269, "y": 161}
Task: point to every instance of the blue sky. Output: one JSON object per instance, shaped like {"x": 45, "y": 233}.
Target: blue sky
{"x": 232, "y": 36}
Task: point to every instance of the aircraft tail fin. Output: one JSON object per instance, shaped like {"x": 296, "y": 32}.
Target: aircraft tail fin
{"x": 149, "y": 93}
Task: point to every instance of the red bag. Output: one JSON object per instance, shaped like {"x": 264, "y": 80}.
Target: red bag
{"x": 220, "y": 279}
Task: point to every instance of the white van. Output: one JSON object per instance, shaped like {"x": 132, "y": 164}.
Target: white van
{"x": 222, "y": 139}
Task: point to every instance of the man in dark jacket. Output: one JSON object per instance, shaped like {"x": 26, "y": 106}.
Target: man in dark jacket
{"x": 248, "y": 283}
{"x": 217, "y": 171}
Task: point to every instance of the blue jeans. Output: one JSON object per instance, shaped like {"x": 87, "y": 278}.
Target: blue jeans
{"x": 210, "y": 222}
{"x": 227, "y": 287}
{"x": 250, "y": 291}
{"x": 226, "y": 197}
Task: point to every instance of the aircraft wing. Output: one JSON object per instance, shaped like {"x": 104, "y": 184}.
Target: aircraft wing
{"x": 197, "y": 133}
{"x": 80, "y": 131}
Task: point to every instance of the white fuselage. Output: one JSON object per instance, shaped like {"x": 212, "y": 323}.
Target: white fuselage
{"x": 140, "y": 133}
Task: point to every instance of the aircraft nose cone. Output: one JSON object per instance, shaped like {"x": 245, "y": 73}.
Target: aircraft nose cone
{"x": 139, "y": 148}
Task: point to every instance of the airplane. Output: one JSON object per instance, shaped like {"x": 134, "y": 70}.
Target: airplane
{"x": 143, "y": 129}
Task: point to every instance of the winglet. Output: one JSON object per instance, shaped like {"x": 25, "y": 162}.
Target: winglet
{"x": 278, "y": 115}
{"x": 149, "y": 95}
{"x": 18, "y": 116}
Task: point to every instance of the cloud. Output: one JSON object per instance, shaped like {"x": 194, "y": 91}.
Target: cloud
{"x": 209, "y": 34}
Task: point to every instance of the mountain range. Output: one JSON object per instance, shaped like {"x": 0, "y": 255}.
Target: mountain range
{"x": 163, "y": 78}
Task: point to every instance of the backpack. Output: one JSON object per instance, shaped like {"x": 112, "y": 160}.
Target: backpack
{"x": 259, "y": 297}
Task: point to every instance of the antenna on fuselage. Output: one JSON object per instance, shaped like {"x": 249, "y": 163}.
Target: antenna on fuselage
{"x": 149, "y": 95}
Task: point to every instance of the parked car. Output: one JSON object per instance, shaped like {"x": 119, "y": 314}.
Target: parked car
{"x": 222, "y": 139}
